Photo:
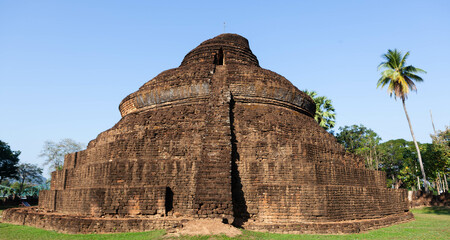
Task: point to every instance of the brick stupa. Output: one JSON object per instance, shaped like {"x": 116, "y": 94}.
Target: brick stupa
{"x": 217, "y": 137}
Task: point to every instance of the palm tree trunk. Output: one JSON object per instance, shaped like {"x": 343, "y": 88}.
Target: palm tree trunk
{"x": 417, "y": 147}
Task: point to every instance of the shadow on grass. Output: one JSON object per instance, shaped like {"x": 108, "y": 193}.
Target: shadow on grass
{"x": 433, "y": 210}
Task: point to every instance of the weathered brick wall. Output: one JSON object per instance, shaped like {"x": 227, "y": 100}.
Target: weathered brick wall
{"x": 182, "y": 146}
{"x": 175, "y": 86}
{"x": 213, "y": 195}
{"x": 170, "y": 147}
{"x": 81, "y": 224}
{"x": 58, "y": 179}
{"x": 284, "y": 179}
{"x": 166, "y": 133}
{"x": 47, "y": 199}
{"x": 266, "y": 132}
{"x": 422, "y": 199}
{"x": 132, "y": 174}
{"x": 312, "y": 203}
{"x": 258, "y": 85}
{"x": 97, "y": 202}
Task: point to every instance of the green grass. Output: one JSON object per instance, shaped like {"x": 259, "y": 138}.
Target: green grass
{"x": 9, "y": 231}
{"x": 430, "y": 223}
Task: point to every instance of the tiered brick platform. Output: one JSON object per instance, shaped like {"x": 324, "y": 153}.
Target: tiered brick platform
{"x": 217, "y": 137}
{"x": 88, "y": 224}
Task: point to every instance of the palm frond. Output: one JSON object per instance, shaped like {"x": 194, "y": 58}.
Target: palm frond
{"x": 412, "y": 69}
{"x": 404, "y": 86}
{"x": 312, "y": 94}
{"x": 414, "y": 77}
{"x": 390, "y": 60}
{"x": 383, "y": 65}
{"x": 382, "y": 81}
{"x": 388, "y": 73}
{"x": 404, "y": 59}
{"x": 394, "y": 58}
{"x": 391, "y": 88}
{"x": 386, "y": 76}
{"x": 411, "y": 84}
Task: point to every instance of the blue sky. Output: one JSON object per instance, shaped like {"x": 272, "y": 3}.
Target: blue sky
{"x": 66, "y": 65}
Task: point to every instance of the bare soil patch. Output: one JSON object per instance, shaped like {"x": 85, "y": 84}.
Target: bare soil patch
{"x": 206, "y": 227}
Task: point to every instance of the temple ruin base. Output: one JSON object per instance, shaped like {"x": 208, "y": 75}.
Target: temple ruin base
{"x": 342, "y": 227}
{"x": 73, "y": 224}
{"x": 218, "y": 137}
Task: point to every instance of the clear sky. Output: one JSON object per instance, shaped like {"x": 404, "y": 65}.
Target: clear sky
{"x": 66, "y": 65}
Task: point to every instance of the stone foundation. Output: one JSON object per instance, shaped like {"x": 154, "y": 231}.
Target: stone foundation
{"x": 80, "y": 224}
{"x": 342, "y": 227}
{"x": 420, "y": 199}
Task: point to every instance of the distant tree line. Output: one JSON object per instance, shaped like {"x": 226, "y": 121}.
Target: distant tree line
{"x": 18, "y": 178}
{"x": 25, "y": 179}
{"x": 398, "y": 157}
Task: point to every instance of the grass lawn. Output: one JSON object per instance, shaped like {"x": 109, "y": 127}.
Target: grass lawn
{"x": 430, "y": 223}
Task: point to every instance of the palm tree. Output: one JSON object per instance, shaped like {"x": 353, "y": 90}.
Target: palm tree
{"x": 400, "y": 80}
{"x": 325, "y": 114}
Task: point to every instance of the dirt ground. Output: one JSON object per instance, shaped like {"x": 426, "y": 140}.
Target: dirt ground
{"x": 206, "y": 227}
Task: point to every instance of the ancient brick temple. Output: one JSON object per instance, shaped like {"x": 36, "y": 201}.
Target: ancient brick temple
{"x": 217, "y": 137}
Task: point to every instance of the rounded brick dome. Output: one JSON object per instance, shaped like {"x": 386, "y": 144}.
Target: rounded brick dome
{"x": 245, "y": 78}
{"x": 224, "y": 49}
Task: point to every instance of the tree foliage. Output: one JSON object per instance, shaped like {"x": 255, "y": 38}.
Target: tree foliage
{"x": 361, "y": 141}
{"x": 54, "y": 152}
{"x": 398, "y": 157}
{"x": 398, "y": 160}
{"x": 325, "y": 112}
{"x": 28, "y": 176}
{"x": 437, "y": 155}
{"x": 442, "y": 137}
{"x": 436, "y": 159}
{"x": 9, "y": 161}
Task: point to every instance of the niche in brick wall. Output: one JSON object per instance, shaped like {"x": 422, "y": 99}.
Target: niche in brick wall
{"x": 218, "y": 58}
{"x": 168, "y": 200}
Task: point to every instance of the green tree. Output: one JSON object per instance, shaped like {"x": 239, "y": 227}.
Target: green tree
{"x": 325, "y": 112}
{"x": 398, "y": 160}
{"x": 28, "y": 174}
{"x": 400, "y": 78}
{"x": 9, "y": 161}
{"x": 5, "y": 188}
{"x": 54, "y": 152}
{"x": 437, "y": 157}
{"x": 362, "y": 141}
{"x": 442, "y": 137}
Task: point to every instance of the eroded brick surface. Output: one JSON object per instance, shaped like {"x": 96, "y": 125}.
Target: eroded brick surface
{"x": 217, "y": 137}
